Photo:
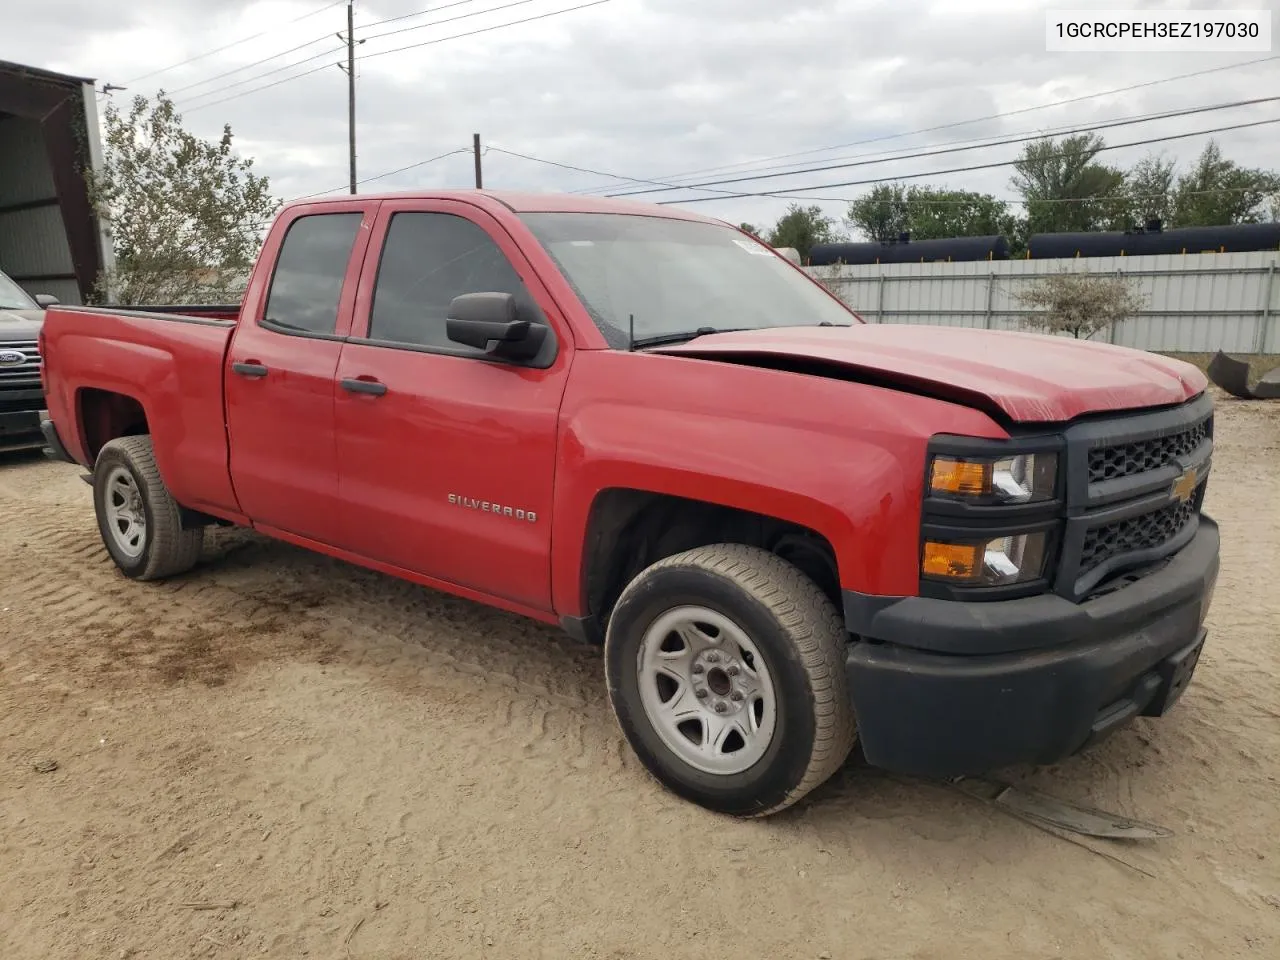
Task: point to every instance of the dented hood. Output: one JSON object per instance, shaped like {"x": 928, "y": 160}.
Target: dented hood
{"x": 1028, "y": 377}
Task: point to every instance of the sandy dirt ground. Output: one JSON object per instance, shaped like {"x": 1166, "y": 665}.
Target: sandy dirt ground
{"x": 367, "y": 769}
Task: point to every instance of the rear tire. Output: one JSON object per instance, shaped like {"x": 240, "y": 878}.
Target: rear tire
{"x": 140, "y": 523}
{"x": 726, "y": 672}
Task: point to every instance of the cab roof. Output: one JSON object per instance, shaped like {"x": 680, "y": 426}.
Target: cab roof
{"x": 527, "y": 202}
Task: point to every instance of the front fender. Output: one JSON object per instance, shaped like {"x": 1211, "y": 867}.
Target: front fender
{"x": 845, "y": 460}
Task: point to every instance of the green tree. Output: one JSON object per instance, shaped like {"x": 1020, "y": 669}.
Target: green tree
{"x": 937, "y": 213}
{"x": 881, "y": 214}
{"x": 1066, "y": 190}
{"x": 1150, "y": 189}
{"x": 1078, "y": 303}
{"x": 752, "y": 229}
{"x": 928, "y": 213}
{"x": 803, "y": 228}
{"x": 185, "y": 215}
{"x": 1218, "y": 191}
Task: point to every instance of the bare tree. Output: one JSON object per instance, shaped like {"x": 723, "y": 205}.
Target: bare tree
{"x": 1079, "y": 303}
{"x": 828, "y": 277}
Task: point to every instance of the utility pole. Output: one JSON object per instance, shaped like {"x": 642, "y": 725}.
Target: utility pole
{"x": 475, "y": 149}
{"x": 350, "y": 70}
{"x": 351, "y": 88}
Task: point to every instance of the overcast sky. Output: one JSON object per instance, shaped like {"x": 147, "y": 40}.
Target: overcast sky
{"x": 648, "y": 89}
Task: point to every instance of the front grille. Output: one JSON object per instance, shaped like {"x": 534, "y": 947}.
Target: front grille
{"x": 1142, "y": 456}
{"x": 20, "y": 375}
{"x": 1135, "y": 533}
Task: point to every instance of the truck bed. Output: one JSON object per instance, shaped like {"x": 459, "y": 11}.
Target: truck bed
{"x": 160, "y": 370}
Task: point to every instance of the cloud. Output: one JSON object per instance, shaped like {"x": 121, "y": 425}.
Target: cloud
{"x": 639, "y": 88}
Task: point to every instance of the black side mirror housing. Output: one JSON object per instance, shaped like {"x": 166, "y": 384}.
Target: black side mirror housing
{"x": 45, "y": 300}
{"x": 491, "y": 322}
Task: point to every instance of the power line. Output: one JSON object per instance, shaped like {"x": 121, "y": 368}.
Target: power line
{"x": 1014, "y": 201}
{"x": 570, "y": 166}
{"x": 235, "y": 43}
{"x": 319, "y": 39}
{"x": 1007, "y": 201}
{"x": 499, "y": 26}
{"x": 269, "y": 73}
{"x": 731, "y": 193}
{"x": 959, "y": 149}
{"x": 421, "y": 13}
{"x": 302, "y": 46}
{"x": 981, "y": 141}
{"x": 265, "y": 86}
{"x": 411, "y": 166}
{"x": 1017, "y": 201}
{"x": 249, "y": 66}
{"x": 980, "y": 166}
{"x": 957, "y": 123}
{"x": 380, "y": 176}
{"x": 436, "y": 23}
{"x": 892, "y": 154}
{"x": 926, "y": 203}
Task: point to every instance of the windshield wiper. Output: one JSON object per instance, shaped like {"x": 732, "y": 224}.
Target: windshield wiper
{"x": 663, "y": 339}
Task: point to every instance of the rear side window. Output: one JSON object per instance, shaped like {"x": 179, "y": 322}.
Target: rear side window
{"x": 309, "y": 272}
{"x": 427, "y": 260}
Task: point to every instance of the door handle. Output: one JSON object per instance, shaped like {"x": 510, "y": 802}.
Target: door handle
{"x": 250, "y": 369}
{"x": 371, "y": 387}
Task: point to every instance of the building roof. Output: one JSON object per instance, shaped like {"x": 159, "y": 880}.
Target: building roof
{"x": 22, "y": 71}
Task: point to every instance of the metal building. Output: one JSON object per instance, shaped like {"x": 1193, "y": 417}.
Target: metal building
{"x": 50, "y": 239}
{"x": 1194, "y": 303}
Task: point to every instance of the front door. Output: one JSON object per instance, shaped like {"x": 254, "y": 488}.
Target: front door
{"x": 446, "y": 459}
{"x": 280, "y": 377}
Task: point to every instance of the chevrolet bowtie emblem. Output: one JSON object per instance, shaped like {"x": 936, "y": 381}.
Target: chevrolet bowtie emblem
{"x": 1184, "y": 487}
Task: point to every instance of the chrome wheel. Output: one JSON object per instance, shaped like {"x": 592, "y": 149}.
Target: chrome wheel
{"x": 706, "y": 690}
{"x": 126, "y": 516}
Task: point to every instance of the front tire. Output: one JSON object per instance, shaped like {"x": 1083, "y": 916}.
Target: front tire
{"x": 725, "y": 669}
{"x": 140, "y": 522}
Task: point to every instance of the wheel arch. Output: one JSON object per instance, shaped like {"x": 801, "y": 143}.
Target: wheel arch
{"x": 628, "y": 529}
{"x": 104, "y": 415}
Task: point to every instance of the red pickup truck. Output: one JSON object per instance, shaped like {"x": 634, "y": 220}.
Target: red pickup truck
{"x": 789, "y": 530}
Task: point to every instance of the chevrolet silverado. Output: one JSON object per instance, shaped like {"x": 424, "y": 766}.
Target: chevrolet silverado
{"x": 789, "y": 530}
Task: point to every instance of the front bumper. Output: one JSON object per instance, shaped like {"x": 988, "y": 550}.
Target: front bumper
{"x": 20, "y": 429}
{"x": 55, "y": 449}
{"x": 1043, "y": 678}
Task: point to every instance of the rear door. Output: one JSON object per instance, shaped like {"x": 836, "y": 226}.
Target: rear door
{"x": 446, "y": 458}
{"x": 280, "y": 372}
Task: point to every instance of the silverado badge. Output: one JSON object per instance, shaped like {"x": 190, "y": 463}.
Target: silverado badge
{"x": 1184, "y": 487}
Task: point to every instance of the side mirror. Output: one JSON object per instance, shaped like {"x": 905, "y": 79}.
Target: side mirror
{"x": 490, "y": 322}
{"x": 46, "y": 300}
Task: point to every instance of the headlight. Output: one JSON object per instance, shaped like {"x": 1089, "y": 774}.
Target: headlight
{"x": 986, "y": 563}
{"x": 1026, "y": 478}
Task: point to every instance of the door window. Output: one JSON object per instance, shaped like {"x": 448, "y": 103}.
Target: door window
{"x": 312, "y": 265}
{"x": 427, "y": 260}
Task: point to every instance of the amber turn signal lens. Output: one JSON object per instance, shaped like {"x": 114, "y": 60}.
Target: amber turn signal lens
{"x": 960, "y": 476}
{"x": 953, "y": 561}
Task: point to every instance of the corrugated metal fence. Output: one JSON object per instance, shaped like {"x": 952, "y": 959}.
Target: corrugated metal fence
{"x": 1195, "y": 303}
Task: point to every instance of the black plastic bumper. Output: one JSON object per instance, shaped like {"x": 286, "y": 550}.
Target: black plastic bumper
{"x": 54, "y": 447}
{"x": 1066, "y": 674}
{"x": 19, "y": 429}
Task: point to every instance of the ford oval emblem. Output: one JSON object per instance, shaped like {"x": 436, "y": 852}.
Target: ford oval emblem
{"x": 11, "y": 358}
